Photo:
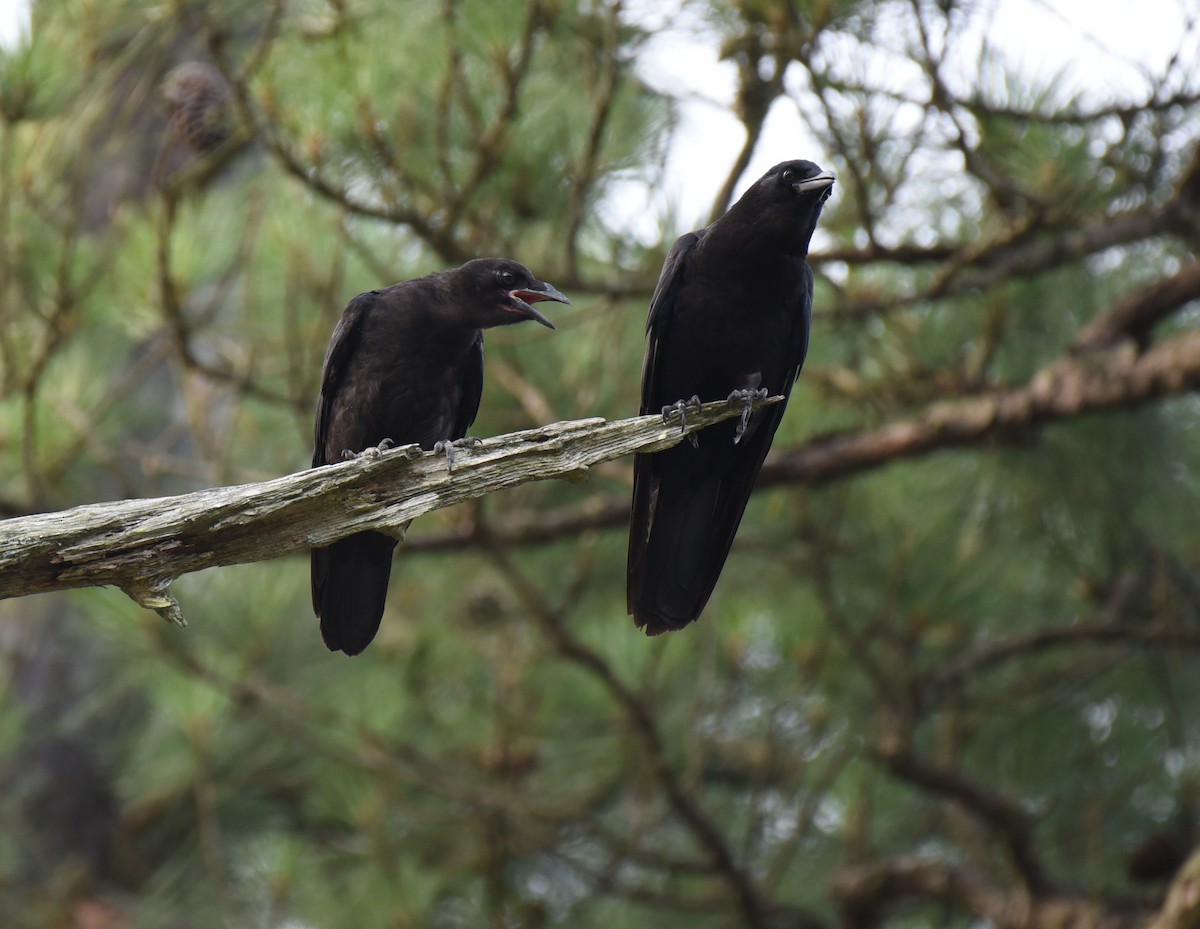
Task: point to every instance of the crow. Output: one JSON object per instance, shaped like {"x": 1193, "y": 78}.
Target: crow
{"x": 729, "y": 318}
{"x": 404, "y": 365}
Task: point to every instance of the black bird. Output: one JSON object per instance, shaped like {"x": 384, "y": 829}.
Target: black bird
{"x": 729, "y": 318}
{"x": 404, "y": 365}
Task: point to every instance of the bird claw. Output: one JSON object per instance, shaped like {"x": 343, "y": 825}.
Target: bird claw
{"x": 746, "y": 398}
{"x": 446, "y": 447}
{"x": 681, "y": 407}
{"x": 374, "y": 452}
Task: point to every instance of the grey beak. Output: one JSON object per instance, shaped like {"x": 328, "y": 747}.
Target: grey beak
{"x": 821, "y": 181}
{"x": 523, "y": 300}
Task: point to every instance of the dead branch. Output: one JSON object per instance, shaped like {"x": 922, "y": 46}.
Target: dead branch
{"x": 142, "y": 545}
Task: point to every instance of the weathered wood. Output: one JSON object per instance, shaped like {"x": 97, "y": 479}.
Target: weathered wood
{"x": 143, "y": 545}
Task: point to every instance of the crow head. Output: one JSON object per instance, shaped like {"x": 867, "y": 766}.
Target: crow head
{"x": 787, "y": 200}
{"x": 501, "y": 291}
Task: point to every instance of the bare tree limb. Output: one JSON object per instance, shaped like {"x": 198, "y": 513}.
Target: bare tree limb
{"x": 142, "y": 545}
{"x": 1066, "y": 389}
{"x": 1136, "y": 315}
{"x": 1019, "y": 255}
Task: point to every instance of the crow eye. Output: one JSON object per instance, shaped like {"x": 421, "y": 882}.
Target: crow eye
{"x": 506, "y": 277}
{"x": 787, "y": 174}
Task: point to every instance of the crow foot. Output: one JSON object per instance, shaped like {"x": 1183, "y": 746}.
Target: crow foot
{"x": 374, "y": 452}
{"x": 447, "y": 448}
{"x": 746, "y": 398}
{"x": 681, "y": 408}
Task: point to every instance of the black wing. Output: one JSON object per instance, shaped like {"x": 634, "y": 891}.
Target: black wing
{"x": 662, "y": 305}
{"x": 349, "y": 579}
{"x": 342, "y": 344}
{"x": 471, "y": 379}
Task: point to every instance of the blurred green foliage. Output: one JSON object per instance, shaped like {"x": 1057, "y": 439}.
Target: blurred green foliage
{"x": 1019, "y": 616}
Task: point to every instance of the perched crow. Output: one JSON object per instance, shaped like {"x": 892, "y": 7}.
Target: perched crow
{"x": 404, "y": 365}
{"x": 729, "y": 318}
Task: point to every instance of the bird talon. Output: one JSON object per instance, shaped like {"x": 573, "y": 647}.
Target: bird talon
{"x": 746, "y": 398}
{"x": 374, "y": 452}
{"x": 681, "y": 407}
{"x": 447, "y": 447}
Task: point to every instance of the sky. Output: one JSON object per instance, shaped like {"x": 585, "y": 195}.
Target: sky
{"x": 1094, "y": 47}
{"x": 1091, "y": 45}
{"x": 14, "y": 21}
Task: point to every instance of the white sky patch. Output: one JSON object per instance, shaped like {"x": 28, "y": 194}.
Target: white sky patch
{"x": 14, "y": 22}
{"x": 1101, "y": 49}
{"x": 1098, "y": 49}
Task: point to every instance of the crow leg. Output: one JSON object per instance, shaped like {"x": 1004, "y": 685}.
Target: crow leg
{"x": 374, "y": 451}
{"x": 681, "y": 407}
{"x": 746, "y": 398}
{"x": 447, "y": 447}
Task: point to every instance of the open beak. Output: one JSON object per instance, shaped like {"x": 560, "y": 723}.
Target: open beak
{"x": 523, "y": 300}
{"x": 822, "y": 180}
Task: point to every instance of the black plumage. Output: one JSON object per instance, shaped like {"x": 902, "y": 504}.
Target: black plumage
{"x": 404, "y": 364}
{"x": 731, "y": 311}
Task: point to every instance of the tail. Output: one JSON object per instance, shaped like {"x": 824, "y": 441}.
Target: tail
{"x": 349, "y": 589}
{"x": 681, "y": 555}
{"x": 687, "y": 505}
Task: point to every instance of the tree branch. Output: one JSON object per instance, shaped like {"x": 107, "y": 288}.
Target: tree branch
{"x": 1066, "y": 389}
{"x": 142, "y": 545}
{"x": 1006, "y": 816}
{"x": 1019, "y": 255}
{"x": 1138, "y": 313}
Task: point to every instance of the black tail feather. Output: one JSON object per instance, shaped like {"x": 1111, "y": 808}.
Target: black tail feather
{"x": 687, "y": 506}
{"x": 349, "y": 589}
{"x": 673, "y": 585}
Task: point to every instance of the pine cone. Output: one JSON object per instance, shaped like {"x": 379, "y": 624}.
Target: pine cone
{"x": 197, "y": 98}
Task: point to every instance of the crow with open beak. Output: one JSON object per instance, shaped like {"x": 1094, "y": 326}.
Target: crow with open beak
{"x": 404, "y": 365}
